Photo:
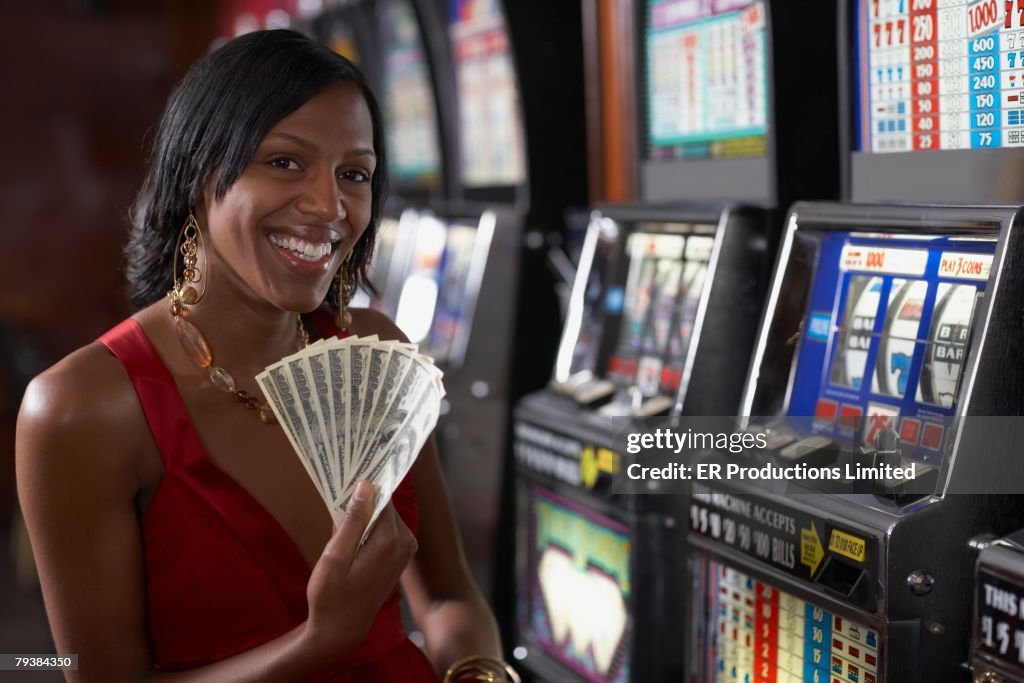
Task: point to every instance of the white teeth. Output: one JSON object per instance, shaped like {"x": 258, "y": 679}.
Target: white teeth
{"x": 308, "y": 251}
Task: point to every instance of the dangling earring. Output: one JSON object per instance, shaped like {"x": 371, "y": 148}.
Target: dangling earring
{"x": 344, "y": 291}
{"x": 183, "y": 293}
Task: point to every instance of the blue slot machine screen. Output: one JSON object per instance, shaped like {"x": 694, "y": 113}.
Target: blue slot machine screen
{"x": 451, "y": 313}
{"x": 578, "y": 579}
{"x": 885, "y": 336}
{"x": 939, "y": 74}
{"x": 707, "y": 91}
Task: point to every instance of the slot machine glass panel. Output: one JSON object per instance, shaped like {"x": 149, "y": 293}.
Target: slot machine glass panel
{"x": 881, "y": 322}
{"x": 577, "y": 580}
{"x": 667, "y": 264}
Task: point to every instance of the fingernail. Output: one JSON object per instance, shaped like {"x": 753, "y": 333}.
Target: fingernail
{"x": 364, "y": 490}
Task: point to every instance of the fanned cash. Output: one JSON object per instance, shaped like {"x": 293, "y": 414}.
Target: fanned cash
{"x": 355, "y": 408}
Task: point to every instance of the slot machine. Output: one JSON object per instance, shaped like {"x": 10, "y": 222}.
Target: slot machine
{"x": 887, "y": 339}
{"x": 997, "y": 634}
{"x": 660, "y": 322}
{"x": 881, "y": 380}
{"x": 517, "y": 154}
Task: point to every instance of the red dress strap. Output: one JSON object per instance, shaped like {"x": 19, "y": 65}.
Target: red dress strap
{"x": 158, "y": 394}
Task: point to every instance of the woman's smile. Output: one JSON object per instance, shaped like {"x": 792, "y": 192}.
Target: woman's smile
{"x": 302, "y": 251}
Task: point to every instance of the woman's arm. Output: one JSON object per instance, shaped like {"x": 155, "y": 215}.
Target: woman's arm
{"x": 79, "y": 438}
{"x": 444, "y": 600}
{"x": 442, "y": 596}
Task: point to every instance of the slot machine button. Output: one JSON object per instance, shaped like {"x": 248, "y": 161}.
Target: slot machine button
{"x": 594, "y": 393}
{"x": 906, "y": 490}
{"x": 776, "y": 441}
{"x": 814, "y": 450}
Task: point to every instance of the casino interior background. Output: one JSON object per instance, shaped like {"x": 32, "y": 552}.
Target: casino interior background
{"x": 800, "y": 214}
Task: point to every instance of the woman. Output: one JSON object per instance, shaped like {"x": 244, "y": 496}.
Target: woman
{"x": 174, "y": 530}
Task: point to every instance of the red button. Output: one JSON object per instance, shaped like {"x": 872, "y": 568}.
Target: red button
{"x": 850, "y": 416}
{"x": 826, "y": 410}
{"x": 910, "y": 429}
{"x": 931, "y": 437}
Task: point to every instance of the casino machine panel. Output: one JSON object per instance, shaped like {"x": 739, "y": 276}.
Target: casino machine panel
{"x": 839, "y": 555}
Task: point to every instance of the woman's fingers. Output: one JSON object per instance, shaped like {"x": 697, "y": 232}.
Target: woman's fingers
{"x": 342, "y": 546}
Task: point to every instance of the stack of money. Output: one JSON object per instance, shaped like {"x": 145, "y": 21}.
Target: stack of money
{"x": 355, "y": 408}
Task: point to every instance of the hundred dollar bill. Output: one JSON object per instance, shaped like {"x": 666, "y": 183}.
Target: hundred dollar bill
{"x": 407, "y": 439}
{"x": 292, "y": 374}
{"x": 405, "y": 427}
{"x": 358, "y": 360}
{"x": 323, "y": 358}
{"x": 319, "y": 373}
{"x": 301, "y": 377}
{"x": 282, "y": 402}
{"x": 399, "y": 363}
{"x": 375, "y": 368}
{"x": 391, "y": 402}
{"x": 338, "y": 365}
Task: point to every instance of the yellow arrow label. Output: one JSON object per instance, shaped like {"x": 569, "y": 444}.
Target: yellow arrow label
{"x": 847, "y": 545}
{"x": 588, "y": 467}
{"x": 811, "y": 551}
{"x": 607, "y": 461}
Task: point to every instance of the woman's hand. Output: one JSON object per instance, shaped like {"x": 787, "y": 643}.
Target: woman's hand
{"x": 350, "y": 582}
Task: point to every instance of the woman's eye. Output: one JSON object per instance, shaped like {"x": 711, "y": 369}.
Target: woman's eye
{"x": 285, "y": 163}
{"x": 355, "y": 176}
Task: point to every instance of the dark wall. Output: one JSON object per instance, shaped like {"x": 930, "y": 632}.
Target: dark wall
{"x": 83, "y": 84}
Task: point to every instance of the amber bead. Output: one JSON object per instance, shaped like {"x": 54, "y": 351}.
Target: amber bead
{"x": 194, "y": 343}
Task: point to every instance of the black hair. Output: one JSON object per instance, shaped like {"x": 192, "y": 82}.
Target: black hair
{"x": 214, "y": 120}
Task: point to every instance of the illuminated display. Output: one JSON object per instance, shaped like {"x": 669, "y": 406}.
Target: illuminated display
{"x": 414, "y": 151}
{"x": 490, "y": 130}
{"x": 451, "y": 310}
{"x": 886, "y": 336}
{"x": 706, "y": 79}
{"x": 383, "y": 253}
{"x": 755, "y": 632}
{"x": 579, "y": 587}
{"x": 418, "y": 299}
{"x": 940, "y": 74}
{"x": 663, "y": 289}
{"x": 342, "y": 41}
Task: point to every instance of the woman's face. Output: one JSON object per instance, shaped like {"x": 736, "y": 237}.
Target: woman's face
{"x": 284, "y": 227}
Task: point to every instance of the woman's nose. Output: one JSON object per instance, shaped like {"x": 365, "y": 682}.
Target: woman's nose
{"x": 322, "y": 198}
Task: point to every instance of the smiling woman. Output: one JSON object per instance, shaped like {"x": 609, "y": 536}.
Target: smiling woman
{"x": 174, "y": 528}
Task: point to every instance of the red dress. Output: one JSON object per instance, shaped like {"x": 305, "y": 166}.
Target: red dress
{"x": 222, "y": 575}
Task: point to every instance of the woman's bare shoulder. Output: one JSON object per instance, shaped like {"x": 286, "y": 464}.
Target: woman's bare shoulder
{"x": 84, "y": 408}
{"x": 367, "y": 321}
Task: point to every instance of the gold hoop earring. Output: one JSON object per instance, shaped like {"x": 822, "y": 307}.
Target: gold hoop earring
{"x": 344, "y": 290}
{"x": 182, "y": 292}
